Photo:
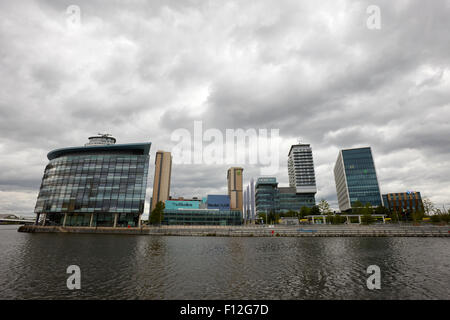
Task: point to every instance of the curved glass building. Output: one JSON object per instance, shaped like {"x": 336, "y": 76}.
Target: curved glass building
{"x": 100, "y": 184}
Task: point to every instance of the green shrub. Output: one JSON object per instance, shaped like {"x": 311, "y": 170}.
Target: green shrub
{"x": 339, "y": 219}
{"x": 367, "y": 219}
{"x": 395, "y": 216}
{"x": 417, "y": 216}
{"x": 445, "y": 218}
{"x": 435, "y": 218}
{"x": 354, "y": 220}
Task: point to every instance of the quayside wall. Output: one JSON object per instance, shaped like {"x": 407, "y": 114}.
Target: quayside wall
{"x": 256, "y": 231}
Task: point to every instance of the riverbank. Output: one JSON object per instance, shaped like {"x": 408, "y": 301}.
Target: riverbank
{"x": 257, "y": 231}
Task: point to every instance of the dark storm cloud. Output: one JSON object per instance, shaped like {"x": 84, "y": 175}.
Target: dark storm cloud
{"x": 311, "y": 69}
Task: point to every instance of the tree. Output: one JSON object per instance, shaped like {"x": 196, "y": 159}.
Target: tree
{"x": 417, "y": 215}
{"x": 395, "y": 216}
{"x": 446, "y": 218}
{"x": 381, "y": 210}
{"x": 367, "y": 219}
{"x": 262, "y": 216}
{"x": 440, "y": 216}
{"x": 367, "y": 211}
{"x": 324, "y": 207}
{"x": 428, "y": 206}
{"x": 273, "y": 217}
{"x": 435, "y": 218}
{"x": 269, "y": 218}
{"x": 336, "y": 219}
{"x": 357, "y": 207}
{"x": 305, "y": 211}
{"x": 290, "y": 213}
{"x": 156, "y": 216}
{"x": 315, "y": 211}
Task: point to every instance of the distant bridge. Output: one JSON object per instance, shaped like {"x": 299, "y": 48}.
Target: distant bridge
{"x": 24, "y": 221}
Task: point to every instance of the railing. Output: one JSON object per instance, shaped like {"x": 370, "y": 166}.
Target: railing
{"x": 17, "y": 220}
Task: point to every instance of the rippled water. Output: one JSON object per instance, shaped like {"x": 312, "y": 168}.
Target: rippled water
{"x": 33, "y": 266}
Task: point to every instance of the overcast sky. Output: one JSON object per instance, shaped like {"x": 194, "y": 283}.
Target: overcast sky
{"x": 312, "y": 69}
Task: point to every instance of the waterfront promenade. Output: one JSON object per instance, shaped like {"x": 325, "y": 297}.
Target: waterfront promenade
{"x": 385, "y": 230}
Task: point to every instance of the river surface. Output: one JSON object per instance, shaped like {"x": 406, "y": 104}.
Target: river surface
{"x": 33, "y": 266}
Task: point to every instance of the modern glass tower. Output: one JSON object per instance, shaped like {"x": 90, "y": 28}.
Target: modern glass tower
{"x": 301, "y": 171}
{"x": 356, "y": 178}
{"x": 266, "y": 195}
{"x": 100, "y": 184}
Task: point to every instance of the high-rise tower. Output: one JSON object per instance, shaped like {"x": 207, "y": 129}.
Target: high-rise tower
{"x": 161, "y": 183}
{"x": 356, "y": 178}
{"x": 301, "y": 170}
{"x": 235, "y": 187}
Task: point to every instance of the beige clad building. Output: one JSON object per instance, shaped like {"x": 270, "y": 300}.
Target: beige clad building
{"x": 161, "y": 183}
{"x": 235, "y": 187}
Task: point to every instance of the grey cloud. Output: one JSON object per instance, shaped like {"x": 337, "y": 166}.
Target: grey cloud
{"x": 312, "y": 70}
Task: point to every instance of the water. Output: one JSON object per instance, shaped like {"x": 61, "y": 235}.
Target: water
{"x": 33, "y": 266}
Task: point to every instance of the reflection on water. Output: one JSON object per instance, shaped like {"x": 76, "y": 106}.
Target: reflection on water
{"x": 33, "y": 266}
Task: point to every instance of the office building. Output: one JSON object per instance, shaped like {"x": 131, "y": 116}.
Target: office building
{"x": 202, "y": 217}
{"x": 211, "y": 210}
{"x": 235, "y": 188}
{"x": 271, "y": 198}
{"x": 301, "y": 169}
{"x": 161, "y": 183}
{"x": 266, "y": 195}
{"x": 99, "y": 184}
{"x": 410, "y": 201}
{"x": 290, "y": 200}
{"x": 356, "y": 178}
{"x": 301, "y": 173}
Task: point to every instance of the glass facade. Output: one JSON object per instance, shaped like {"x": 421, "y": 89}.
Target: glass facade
{"x": 266, "y": 195}
{"x": 221, "y": 202}
{"x": 94, "y": 186}
{"x": 270, "y": 198}
{"x": 289, "y": 200}
{"x": 361, "y": 177}
{"x": 202, "y": 217}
